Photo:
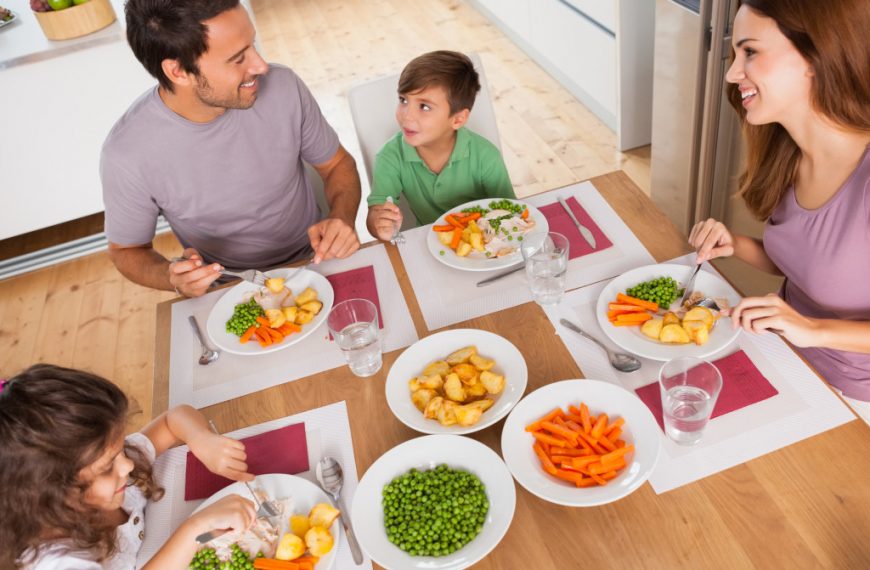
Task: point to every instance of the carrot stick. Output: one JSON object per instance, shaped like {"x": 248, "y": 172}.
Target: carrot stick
{"x": 614, "y": 434}
{"x": 606, "y": 443}
{"x": 247, "y": 334}
{"x": 586, "y": 482}
{"x": 614, "y": 455}
{"x": 306, "y": 566}
{"x": 581, "y": 462}
{"x": 633, "y": 318}
{"x": 568, "y": 451}
{"x": 525, "y": 214}
{"x": 609, "y": 475}
{"x": 274, "y": 564}
{"x": 277, "y": 337}
{"x": 560, "y": 431}
{"x": 625, "y": 299}
{"x": 584, "y": 415}
{"x": 625, "y": 308}
{"x": 628, "y": 324}
{"x": 263, "y": 335}
{"x": 447, "y": 228}
{"x": 307, "y": 558}
{"x": 457, "y": 237}
{"x": 451, "y": 219}
{"x": 614, "y": 424}
{"x": 598, "y": 428}
{"x": 573, "y": 426}
{"x": 597, "y": 479}
{"x": 546, "y": 447}
{"x": 545, "y": 461}
{"x": 568, "y": 476}
{"x": 554, "y": 413}
{"x": 557, "y": 441}
{"x": 592, "y": 443}
{"x": 469, "y": 216}
{"x": 263, "y": 321}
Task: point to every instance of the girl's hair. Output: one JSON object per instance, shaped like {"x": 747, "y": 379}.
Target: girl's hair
{"x": 53, "y": 423}
{"x": 832, "y": 37}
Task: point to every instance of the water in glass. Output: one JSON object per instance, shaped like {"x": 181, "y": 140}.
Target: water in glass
{"x": 361, "y": 346}
{"x": 687, "y": 410}
{"x": 547, "y": 275}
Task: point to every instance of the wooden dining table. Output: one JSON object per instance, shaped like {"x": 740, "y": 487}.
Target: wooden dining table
{"x": 804, "y": 506}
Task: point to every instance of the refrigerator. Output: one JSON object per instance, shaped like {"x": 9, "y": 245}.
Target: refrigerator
{"x": 697, "y": 149}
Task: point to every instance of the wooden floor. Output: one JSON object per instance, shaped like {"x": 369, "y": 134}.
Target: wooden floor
{"x": 84, "y": 314}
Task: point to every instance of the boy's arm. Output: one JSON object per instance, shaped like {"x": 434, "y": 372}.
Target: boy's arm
{"x": 386, "y": 183}
{"x": 185, "y": 424}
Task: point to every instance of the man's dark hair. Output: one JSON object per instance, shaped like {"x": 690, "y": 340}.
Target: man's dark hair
{"x": 450, "y": 70}
{"x": 170, "y": 29}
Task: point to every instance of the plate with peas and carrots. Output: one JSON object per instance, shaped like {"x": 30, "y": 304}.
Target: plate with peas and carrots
{"x": 581, "y": 443}
{"x": 249, "y": 319}
{"x": 484, "y": 235}
{"x": 649, "y": 297}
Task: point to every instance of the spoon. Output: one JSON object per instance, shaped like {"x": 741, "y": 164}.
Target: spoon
{"x": 330, "y": 477}
{"x": 208, "y": 355}
{"x": 619, "y": 360}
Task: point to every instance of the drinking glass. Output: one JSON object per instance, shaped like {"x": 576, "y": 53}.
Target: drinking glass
{"x": 689, "y": 387}
{"x": 354, "y": 326}
{"x": 546, "y": 259}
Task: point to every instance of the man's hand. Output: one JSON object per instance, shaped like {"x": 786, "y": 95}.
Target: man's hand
{"x": 332, "y": 238}
{"x": 383, "y": 220}
{"x": 190, "y": 277}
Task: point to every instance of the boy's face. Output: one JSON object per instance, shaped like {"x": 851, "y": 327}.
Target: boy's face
{"x": 230, "y": 66}
{"x": 108, "y": 477}
{"x": 424, "y": 116}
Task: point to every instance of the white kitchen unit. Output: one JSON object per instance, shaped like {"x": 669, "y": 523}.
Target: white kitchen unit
{"x": 600, "y": 50}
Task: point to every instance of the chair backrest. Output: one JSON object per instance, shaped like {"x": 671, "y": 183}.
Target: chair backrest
{"x": 373, "y": 108}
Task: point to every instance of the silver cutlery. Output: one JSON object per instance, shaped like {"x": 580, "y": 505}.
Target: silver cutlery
{"x": 688, "y": 292}
{"x": 300, "y": 269}
{"x": 584, "y": 231}
{"x": 498, "y": 276}
{"x": 208, "y": 354}
{"x": 330, "y": 477}
{"x": 397, "y": 238}
{"x": 708, "y": 303}
{"x": 619, "y": 360}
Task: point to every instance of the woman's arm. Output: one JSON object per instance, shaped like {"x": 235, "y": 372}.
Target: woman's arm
{"x": 751, "y": 250}
{"x": 711, "y": 239}
{"x": 185, "y": 424}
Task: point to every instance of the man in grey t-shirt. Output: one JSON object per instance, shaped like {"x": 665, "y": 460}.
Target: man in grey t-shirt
{"x": 218, "y": 149}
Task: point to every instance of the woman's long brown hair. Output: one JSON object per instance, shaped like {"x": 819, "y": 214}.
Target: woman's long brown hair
{"x": 53, "y": 423}
{"x": 832, "y": 37}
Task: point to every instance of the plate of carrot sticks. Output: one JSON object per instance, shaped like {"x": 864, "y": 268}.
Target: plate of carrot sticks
{"x": 581, "y": 443}
{"x": 484, "y": 235}
{"x": 301, "y": 286}
{"x": 622, "y": 322}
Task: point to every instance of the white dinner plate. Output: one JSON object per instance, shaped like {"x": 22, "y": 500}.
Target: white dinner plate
{"x": 509, "y": 362}
{"x": 216, "y": 326}
{"x": 635, "y": 342}
{"x": 640, "y": 429}
{"x": 279, "y": 487}
{"x": 428, "y": 452}
{"x": 448, "y": 257}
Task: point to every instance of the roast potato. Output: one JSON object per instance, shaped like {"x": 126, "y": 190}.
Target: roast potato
{"x": 653, "y": 328}
{"x": 674, "y": 334}
{"x": 461, "y": 355}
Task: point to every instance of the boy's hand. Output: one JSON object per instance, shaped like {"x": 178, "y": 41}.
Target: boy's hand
{"x": 386, "y": 219}
{"x": 221, "y": 455}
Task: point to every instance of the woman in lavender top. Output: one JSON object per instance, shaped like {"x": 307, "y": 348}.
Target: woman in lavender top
{"x": 800, "y": 81}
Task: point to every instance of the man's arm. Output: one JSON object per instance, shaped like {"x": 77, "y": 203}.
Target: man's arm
{"x": 143, "y": 265}
{"x": 335, "y": 236}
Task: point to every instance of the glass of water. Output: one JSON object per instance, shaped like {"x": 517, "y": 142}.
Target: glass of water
{"x": 689, "y": 387}
{"x": 354, "y": 326}
{"x": 546, "y": 259}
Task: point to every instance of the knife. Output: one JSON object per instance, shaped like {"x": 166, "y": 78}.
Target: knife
{"x": 584, "y": 231}
{"x": 498, "y": 276}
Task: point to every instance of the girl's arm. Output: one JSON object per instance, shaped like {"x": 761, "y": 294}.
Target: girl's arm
{"x": 232, "y": 512}
{"x": 185, "y": 424}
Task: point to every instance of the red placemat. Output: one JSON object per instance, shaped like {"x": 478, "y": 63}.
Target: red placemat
{"x": 561, "y": 223}
{"x": 742, "y": 385}
{"x": 357, "y": 284}
{"x": 284, "y": 450}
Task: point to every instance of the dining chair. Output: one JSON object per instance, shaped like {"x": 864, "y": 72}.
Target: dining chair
{"x": 373, "y": 108}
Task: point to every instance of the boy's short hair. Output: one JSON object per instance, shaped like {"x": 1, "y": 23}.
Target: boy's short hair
{"x": 170, "y": 29}
{"x": 451, "y": 70}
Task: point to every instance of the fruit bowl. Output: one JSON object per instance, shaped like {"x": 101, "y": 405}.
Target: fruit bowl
{"x": 77, "y": 20}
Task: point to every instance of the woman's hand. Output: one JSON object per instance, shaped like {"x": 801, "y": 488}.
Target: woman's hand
{"x": 771, "y": 313}
{"x": 711, "y": 239}
{"x": 231, "y": 512}
{"x": 221, "y": 455}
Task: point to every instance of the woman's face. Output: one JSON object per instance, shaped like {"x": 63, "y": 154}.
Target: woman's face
{"x": 773, "y": 78}
{"x": 108, "y": 477}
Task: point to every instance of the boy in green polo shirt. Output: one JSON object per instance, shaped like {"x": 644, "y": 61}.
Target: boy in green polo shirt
{"x": 434, "y": 160}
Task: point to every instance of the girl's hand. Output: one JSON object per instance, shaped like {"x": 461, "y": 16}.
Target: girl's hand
{"x": 221, "y": 455}
{"x": 386, "y": 218}
{"x": 231, "y": 512}
{"x": 771, "y": 313}
{"x": 711, "y": 239}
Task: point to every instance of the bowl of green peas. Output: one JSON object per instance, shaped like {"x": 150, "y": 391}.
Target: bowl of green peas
{"x": 663, "y": 284}
{"x": 438, "y": 501}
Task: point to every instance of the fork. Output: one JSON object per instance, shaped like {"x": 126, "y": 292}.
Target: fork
{"x": 254, "y": 276}
{"x": 397, "y": 238}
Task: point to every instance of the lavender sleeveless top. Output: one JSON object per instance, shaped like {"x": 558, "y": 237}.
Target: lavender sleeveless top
{"x": 825, "y": 257}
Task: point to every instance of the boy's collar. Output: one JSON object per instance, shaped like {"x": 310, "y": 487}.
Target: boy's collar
{"x": 460, "y": 148}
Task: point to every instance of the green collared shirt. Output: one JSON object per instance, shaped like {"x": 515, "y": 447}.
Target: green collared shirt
{"x": 475, "y": 170}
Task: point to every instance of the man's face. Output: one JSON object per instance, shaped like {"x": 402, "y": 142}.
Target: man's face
{"x": 425, "y": 117}
{"x": 230, "y": 67}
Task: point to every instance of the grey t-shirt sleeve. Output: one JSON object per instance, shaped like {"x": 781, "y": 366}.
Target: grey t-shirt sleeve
{"x": 319, "y": 140}
{"x": 131, "y": 214}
